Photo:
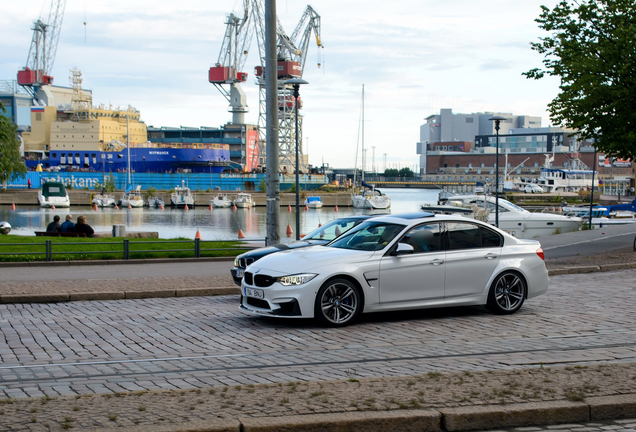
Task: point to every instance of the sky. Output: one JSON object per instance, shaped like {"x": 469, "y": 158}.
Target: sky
{"x": 414, "y": 57}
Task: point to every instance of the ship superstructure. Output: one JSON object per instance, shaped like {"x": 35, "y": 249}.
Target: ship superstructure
{"x": 83, "y": 137}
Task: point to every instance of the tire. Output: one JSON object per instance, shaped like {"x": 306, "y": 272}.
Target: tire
{"x": 507, "y": 293}
{"x": 338, "y": 303}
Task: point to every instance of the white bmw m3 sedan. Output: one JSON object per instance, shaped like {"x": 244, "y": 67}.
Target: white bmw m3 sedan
{"x": 398, "y": 262}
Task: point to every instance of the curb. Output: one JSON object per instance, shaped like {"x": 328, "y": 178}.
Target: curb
{"x": 110, "y": 262}
{"x": 444, "y": 419}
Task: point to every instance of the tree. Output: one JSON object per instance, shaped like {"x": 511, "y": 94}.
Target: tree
{"x": 391, "y": 172}
{"x": 406, "y": 172}
{"x": 591, "y": 47}
{"x": 11, "y": 164}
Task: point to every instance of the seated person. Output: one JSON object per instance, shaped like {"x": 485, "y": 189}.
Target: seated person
{"x": 423, "y": 240}
{"x": 68, "y": 225}
{"x": 83, "y": 227}
{"x": 55, "y": 225}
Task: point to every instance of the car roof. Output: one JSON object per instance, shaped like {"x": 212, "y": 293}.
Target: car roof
{"x": 413, "y": 218}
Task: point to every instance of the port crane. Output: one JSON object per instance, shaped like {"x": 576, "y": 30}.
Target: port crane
{"x": 291, "y": 53}
{"x": 37, "y": 72}
{"x": 229, "y": 66}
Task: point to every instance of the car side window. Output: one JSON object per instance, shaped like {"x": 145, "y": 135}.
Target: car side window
{"x": 424, "y": 238}
{"x": 471, "y": 236}
{"x": 489, "y": 238}
{"x": 463, "y": 235}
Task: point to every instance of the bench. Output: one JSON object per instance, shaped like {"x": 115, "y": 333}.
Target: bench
{"x": 58, "y": 234}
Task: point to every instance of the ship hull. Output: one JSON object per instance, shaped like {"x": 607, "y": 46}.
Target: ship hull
{"x": 157, "y": 160}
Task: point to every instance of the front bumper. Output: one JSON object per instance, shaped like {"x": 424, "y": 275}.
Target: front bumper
{"x": 237, "y": 275}
{"x": 280, "y": 301}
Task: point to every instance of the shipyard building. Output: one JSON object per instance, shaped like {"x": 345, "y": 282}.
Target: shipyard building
{"x": 462, "y": 147}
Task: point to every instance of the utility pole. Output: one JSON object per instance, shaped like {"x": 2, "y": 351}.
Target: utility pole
{"x": 271, "y": 105}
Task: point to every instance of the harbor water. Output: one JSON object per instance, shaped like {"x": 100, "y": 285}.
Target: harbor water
{"x": 216, "y": 224}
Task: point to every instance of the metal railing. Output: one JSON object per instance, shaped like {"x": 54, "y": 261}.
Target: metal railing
{"x": 126, "y": 251}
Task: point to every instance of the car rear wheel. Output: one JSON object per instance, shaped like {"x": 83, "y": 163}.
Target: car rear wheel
{"x": 507, "y": 293}
{"x": 338, "y": 303}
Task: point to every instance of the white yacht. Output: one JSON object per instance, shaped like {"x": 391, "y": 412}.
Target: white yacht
{"x": 103, "y": 200}
{"x": 518, "y": 221}
{"x": 371, "y": 199}
{"x": 132, "y": 198}
{"x": 244, "y": 200}
{"x": 182, "y": 197}
{"x": 53, "y": 194}
{"x": 221, "y": 201}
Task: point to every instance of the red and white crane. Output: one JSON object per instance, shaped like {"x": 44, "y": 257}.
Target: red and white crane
{"x": 291, "y": 53}
{"x": 46, "y": 35}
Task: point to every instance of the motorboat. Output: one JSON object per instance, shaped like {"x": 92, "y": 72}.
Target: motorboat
{"x": 516, "y": 220}
{"x": 103, "y": 200}
{"x": 313, "y": 202}
{"x": 221, "y": 201}
{"x": 156, "y": 202}
{"x": 182, "y": 197}
{"x": 601, "y": 215}
{"x": 53, "y": 194}
{"x": 244, "y": 200}
{"x": 132, "y": 198}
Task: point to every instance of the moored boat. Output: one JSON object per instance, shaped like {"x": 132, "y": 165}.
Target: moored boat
{"x": 518, "y": 221}
{"x": 103, "y": 200}
{"x": 221, "y": 201}
{"x": 313, "y": 202}
{"x": 244, "y": 200}
{"x": 53, "y": 194}
{"x": 132, "y": 198}
{"x": 182, "y": 197}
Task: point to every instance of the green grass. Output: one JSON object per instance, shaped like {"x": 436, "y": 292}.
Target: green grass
{"x": 35, "y": 248}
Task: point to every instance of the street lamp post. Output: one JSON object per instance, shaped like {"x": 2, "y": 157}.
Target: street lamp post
{"x": 497, "y": 120}
{"x": 296, "y": 82}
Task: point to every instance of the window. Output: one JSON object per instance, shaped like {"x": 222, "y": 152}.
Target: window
{"x": 456, "y": 165}
{"x": 424, "y": 238}
{"x": 470, "y": 236}
{"x": 469, "y": 120}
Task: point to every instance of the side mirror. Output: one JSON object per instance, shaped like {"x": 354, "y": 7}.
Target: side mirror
{"x": 403, "y": 249}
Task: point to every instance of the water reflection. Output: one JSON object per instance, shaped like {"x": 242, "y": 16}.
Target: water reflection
{"x": 216, "y": 224}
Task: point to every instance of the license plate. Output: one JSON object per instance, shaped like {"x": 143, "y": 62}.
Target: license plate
{"x": 249, "y": 292}
{"x": 240, "y": 273}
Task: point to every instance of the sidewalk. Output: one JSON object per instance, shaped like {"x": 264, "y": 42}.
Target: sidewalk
{"x": 147, "y": 287}
{"x": 432, "y": 402}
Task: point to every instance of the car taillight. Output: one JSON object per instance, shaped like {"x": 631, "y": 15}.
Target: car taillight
{"x": 540, "y": 253}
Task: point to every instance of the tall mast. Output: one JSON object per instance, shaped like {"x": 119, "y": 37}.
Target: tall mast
{"x": 128, "y": 141}
{"x": 363, "y": 159}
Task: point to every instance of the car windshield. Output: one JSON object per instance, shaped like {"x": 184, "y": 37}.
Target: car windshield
{"x": 368, "y": 236}
{"x": 331, "y": 230}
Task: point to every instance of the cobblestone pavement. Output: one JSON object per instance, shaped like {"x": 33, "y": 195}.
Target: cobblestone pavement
{"x": 174, "y": 343}
{"x": 624, "y": 425}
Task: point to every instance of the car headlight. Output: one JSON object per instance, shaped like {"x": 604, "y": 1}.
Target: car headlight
{"x": 298, "y": 279}
{"x": 236, "y": 262}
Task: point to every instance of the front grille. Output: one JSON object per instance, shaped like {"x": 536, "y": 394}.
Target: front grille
{"x": 244, "y": 262}
{"x": 263, "y": 281}
{"x": 257, "y": 303}
{"x": 248, "y": 278}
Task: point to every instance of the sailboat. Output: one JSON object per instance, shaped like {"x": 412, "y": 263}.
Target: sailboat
{"x": 131, "y": 198}
{"x": 367, "y": 196}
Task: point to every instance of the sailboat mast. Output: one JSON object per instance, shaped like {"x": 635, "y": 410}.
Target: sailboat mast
{"x": 363, "y": 155}
{"x": 128, "y": 141}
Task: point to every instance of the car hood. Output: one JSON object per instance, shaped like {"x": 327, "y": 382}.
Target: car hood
{"x": 261, "y": 252}
{"x": 308, "y": 259}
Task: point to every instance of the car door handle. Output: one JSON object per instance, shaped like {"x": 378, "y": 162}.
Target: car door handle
{"x": 437, "y": 262}
{"x": 490, "y": 256}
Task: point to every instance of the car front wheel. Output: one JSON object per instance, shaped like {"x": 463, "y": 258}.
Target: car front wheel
{"x": 338, "y": 303}
{"x": 507, "y": 294}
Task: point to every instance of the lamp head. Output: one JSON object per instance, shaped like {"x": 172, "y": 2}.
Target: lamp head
{"x": 497, "y": 120}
